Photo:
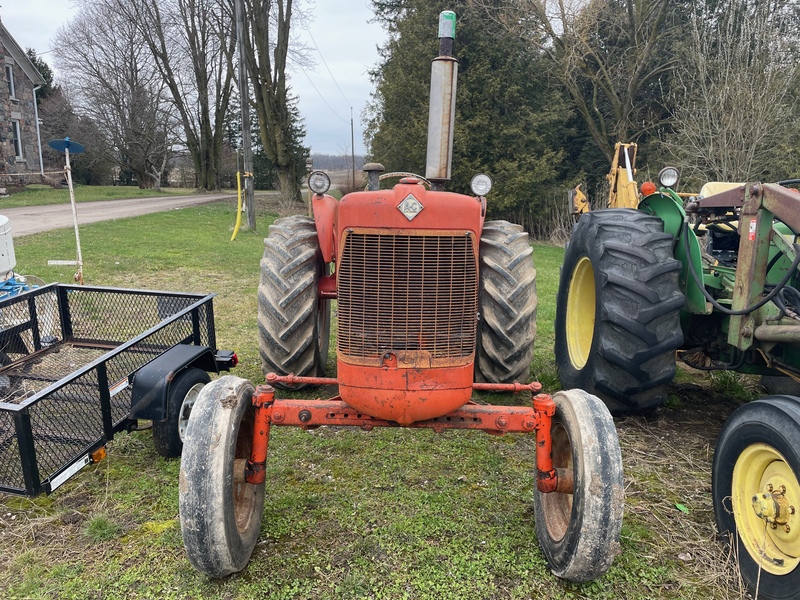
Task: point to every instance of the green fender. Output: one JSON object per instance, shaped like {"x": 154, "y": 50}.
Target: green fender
{"x": 667, "y": 206}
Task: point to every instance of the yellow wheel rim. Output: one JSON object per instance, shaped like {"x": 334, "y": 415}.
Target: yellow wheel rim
{"x": 580, "y": 313}
{"x": 762, "y": 469}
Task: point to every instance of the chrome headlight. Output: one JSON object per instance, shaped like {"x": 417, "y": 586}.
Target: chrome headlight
{"x": 481, "y": 184}
{"x": 668, "y": 177}
{"x": 319, "y": 182}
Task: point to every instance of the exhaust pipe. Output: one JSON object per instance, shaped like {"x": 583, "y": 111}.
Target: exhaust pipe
{"x": 441, "y": 115}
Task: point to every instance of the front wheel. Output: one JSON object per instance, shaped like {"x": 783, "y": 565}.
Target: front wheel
{"x": 220, "y": 512}
{"x": 579, "y": 532}
{"x": 617, "y": 310}
{"x": 183, "y": 392}
{"x": 756, "y": 493}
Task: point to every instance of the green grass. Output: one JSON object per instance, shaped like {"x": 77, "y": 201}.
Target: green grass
{"x": 394, "y": 513}
{"x": 38, "y": 195}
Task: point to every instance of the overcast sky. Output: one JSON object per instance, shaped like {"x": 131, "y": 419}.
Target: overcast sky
{"x": 340, "y": 28}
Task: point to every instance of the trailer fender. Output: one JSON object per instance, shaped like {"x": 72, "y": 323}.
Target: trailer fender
{"x": 151, "y": 383}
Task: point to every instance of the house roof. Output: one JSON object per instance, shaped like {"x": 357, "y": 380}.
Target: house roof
{"x": 20, "y": 56}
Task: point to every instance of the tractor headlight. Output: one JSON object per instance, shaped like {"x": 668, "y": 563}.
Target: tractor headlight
{"x": 319, "y": 182}
{"x": 481, "y": 184}
{"x": 668, "y": 177}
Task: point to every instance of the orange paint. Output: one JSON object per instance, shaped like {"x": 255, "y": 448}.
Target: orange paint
{"x": 405, "y": 395}
{"x": 324, "y": 208}
{"x": 440, "y": 210}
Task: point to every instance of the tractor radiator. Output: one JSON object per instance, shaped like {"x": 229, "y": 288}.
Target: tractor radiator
{"x": 414, "y": 294}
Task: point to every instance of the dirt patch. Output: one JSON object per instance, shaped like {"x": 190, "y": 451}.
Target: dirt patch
{"x": 667, "y": 458}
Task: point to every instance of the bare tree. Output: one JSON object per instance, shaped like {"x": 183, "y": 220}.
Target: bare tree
{"x": 266, "y": 48}
{"x": 734, "y": 94}
{"x": 191, "y": 43}
{"x": 612, "y": 57}
{"x": 117, "y": 85}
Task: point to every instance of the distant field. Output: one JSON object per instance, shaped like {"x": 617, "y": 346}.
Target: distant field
{"x": 38, "y": 195}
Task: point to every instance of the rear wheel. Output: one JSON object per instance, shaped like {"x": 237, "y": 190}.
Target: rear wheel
{"x": 617, "y": 310}
{"x": 220, "y": 512}
{"x": 183, "y": 392}
{"x": 756, "y": 492}
{"x": 507, "y": 304}
{"x": 293, "y": 322}
{"x": 579, "y": 532}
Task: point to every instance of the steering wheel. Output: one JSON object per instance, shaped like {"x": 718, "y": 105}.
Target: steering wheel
{"x": 404, "y": 174}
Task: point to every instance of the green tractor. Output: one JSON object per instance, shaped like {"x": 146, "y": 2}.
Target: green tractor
{"x": 714, "y": 277}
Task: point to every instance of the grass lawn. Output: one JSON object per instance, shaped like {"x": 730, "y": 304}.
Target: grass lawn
{"x": 38, "y": 195}
{"x": 388, "y": 514}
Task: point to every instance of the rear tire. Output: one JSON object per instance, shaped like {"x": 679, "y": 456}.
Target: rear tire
{"x": 579, "y": 532}
{"x": 760, "y": 445}
{"x": 293, "y": 322}
{"x": 506, "y": 303}
{"x": 168, "y": 435}
{"x": 617, "y": 310}
{"x": 220, "y": 518}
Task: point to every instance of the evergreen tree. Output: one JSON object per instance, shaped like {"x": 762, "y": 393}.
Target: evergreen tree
{"x": 46, "y": 72}
{"x": 510, "y": 120}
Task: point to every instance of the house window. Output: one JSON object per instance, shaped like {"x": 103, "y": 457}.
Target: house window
{"x": 16, "y": 138}
{"x": 10, "y": 81}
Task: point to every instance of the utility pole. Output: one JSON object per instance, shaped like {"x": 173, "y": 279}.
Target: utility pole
{"x": 244, "y": 98}
{"x": 352, "y": 149}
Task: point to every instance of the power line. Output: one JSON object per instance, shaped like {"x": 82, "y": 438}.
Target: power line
{"x": 311, "y": 81}
{"x": 324, "y": 62}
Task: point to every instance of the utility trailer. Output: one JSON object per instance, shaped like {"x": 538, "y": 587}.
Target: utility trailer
{"x": 79, "y": 364}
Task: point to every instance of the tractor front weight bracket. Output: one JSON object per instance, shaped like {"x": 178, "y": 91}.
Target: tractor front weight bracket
{"x": 546, "y": 477}
{"x": 255, "y": 467}
{"x": 493, "y": 419}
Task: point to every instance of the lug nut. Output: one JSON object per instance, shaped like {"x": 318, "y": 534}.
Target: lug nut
{"x": 769, "y": 487}
{"x": 786, "y": 528}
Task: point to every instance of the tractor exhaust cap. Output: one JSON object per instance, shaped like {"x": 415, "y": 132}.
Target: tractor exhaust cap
{"x": 441, "y": 115}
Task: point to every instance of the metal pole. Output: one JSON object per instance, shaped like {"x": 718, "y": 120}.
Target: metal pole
{"x": 244, "y": 98}
{"x": 68, "y": 169}
{"x": 38, "y": 137}
{"x": 352, "y": 149}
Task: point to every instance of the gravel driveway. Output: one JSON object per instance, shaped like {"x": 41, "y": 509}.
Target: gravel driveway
{"x": 35, "y": 219}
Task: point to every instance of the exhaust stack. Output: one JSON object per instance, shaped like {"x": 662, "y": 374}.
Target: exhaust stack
{"x": 441, "y": 116}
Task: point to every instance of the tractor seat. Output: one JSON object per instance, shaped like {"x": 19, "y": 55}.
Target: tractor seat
{"x": 717, "y": 187}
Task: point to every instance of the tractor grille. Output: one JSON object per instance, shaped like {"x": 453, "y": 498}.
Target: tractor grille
{"x": 407, "y": 293}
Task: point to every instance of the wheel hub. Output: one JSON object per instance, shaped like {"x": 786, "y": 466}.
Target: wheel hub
{"x": 186, "y": 409}
{"x": 767, "y": 521}
{"x": 773, "y": 507}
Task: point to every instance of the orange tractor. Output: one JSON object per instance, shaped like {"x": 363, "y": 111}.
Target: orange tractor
{"x": 430, "y": 298}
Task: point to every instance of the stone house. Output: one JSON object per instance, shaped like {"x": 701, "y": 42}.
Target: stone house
{"x": 20, "y": 146}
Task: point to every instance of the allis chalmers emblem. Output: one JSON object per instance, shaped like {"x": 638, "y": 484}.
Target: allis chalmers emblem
{"x": 410, "y": 207}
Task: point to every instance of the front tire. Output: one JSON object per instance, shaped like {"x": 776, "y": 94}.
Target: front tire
{"x": 758, "y": 457}
{"x": 579, "y": 532}
{"x": 183, "y": 392}
{"x": 293, "y": 322}
{"x": 220, "y": 513}
{"x": 617, "y": 310}
{"x": 507, "y": 304}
